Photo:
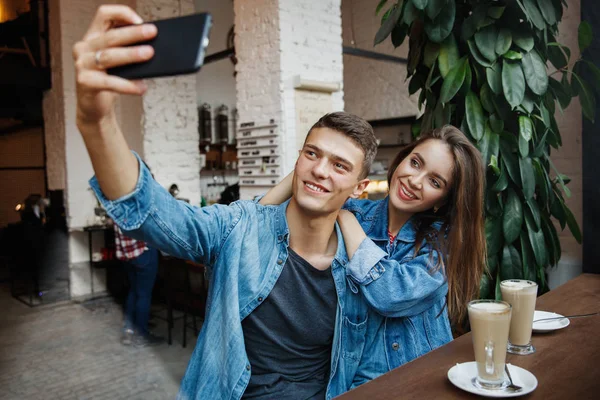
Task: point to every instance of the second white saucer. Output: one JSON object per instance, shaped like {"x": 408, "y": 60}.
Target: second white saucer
{"x": 461, "y": 376}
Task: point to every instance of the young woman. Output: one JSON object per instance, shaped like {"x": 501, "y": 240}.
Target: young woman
{"x": 432, "y": 227}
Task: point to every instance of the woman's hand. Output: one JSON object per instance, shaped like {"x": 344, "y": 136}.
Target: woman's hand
{"x": 105, "y": 45}
{"x": 280, "y": 193}
{"x": 352, "y": 232}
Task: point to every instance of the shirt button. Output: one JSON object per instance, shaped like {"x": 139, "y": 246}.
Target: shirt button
{"x": 395, "y": 346}
{"x": 260, "y": 299}
{"x": 248, "y": 367}
{"x": 279, "y": 237}
{"x": 280, "y": 261}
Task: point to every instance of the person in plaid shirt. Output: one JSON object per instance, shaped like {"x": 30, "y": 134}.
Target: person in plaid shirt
{"x": 141, "y": 264}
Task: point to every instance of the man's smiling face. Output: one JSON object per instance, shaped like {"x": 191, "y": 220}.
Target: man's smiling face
{"x": 327, "y": 172}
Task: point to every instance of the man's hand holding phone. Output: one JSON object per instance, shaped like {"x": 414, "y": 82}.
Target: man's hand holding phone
{"x": 109, "y": 42}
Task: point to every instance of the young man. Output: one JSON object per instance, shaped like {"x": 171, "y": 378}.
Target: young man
{"x": 282, "y": 321}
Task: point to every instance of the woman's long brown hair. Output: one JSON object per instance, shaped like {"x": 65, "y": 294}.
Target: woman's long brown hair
{"x": 461, "y": 240}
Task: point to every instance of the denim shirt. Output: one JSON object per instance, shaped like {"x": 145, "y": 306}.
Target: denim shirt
{"x": 401, "y": 287}
{"x": 245, "y": 246}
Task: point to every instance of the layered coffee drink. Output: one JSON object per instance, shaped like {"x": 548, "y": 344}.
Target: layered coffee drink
{"x": 521, "y": 295}
{"x": 490, "y": 323}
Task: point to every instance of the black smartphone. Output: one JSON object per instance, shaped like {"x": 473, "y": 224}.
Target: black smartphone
{"x": 179, "y": 48}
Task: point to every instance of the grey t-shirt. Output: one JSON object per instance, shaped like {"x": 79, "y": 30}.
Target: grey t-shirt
{"x": 288, "y": 337}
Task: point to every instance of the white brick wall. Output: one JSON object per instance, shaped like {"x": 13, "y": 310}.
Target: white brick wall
{"x": 170, "y": 122}
{"x": 276, "y": 41}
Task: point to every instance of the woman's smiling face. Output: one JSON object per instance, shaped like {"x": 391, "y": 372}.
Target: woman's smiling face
{"x": 423, "y": 179}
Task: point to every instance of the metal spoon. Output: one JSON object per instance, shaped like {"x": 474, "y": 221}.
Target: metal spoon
{"x": 512, "y": 386}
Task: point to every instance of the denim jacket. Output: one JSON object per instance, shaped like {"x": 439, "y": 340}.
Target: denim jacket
{"x": 245, "y": 246}
{"x": 401, "y": 287}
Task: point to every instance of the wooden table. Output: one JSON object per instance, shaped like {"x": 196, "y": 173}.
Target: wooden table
{"x": 566, "y": 363}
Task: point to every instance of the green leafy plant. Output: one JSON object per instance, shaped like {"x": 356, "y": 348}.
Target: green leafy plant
{"x": 495, "y": 69}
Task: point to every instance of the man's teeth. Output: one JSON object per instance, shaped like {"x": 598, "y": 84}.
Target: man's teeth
{"x": 315, "y": 188}
{"x": 408, "y": 194}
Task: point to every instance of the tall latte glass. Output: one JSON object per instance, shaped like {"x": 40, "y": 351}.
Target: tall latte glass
{"x": 490, "y": 322}
{"x": 521, "y": 295}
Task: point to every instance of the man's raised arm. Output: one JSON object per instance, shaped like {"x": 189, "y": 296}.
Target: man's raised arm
{"x": 105, "y": 45}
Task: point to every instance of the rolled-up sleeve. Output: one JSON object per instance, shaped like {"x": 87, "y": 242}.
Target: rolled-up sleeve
{"x": 364, "y": 266}
{"x": 130, "y": 211}
{"x": 400, "y": 288}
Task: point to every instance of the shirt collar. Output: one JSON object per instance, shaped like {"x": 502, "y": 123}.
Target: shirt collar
{"x": 378, "y": 229}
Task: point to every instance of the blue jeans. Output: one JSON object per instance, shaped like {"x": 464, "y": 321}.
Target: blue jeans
{"x": 141, "y": 272}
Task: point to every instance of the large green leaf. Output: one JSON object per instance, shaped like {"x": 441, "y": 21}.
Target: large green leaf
{"x": 533, "y": 211}
{"x": 556, "y": 55}
{"x": 585, "y": 35}
{"x": 595, "y": 76}
{"x": 486, "y": 287}
{"x": 410, "y": 13}
{"x": 430, "y": 54}
{"x": 468, "y": 79}
{"x": 502, "y": 183}
{"x": 529, "y": 267}
{"x": 551, "y": 238}
{"x": 448, "y": 57}
{"x": 538, "y": 244}
{"x": 511, "y": 267}
{"x": 486, "y": 99}
{"x": 496, "y": 12}
{"x": 535, "y": 72}
{"x": 389, "y": 24}
{"x": 513, "y": 83}
{"x": 434, "y": 7}
{"x": 494, "y": 77}
{"x": 440, "y": 27}
{"x": 485, "y": 40}
{"x": 481, "y": 60}
{"x": 493, "y": 235}
{"x": 559, "y": 92}
{"x": 509, "y": 158}
{"x": 498, "y": 290}
{"x": 493, "y": 207}
{"x": 496, "y": 123}
{"x": 525, "y": 127}
{"x": 523, "y": 147}
{"x": 474, "y": 21}
{"x": 587, "y": 99}
{"x": 453, "y": 81}
{"x": 399, "y": 34}
{"x": 380, "y": 6}
{"x": 512, "y": 219}
{"x": 573, "y": 225}
{"x": 523, "y": 39}
{"x": 527, "y": 177}
{"x": 488, "y": 145}
{"x": 420, "y": 4}
{"x": 547, "y": 10}
{"x": 513, "y": 55}
{"x": 475, "y": 117}
{"x": 542, "y": 182}
{"x": 557, "y": 209}
{"x": 533, "y": 13}
{"x": 503, "y": 42}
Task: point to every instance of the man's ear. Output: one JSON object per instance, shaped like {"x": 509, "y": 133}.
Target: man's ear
{"x": 360, "y": 188}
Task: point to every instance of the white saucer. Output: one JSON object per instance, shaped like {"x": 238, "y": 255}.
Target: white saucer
{"x": 461, "y": 376}
{"x": 549, "y": 325}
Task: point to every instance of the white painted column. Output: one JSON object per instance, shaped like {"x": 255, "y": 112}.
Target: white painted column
{"x": 289, "y": 69}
